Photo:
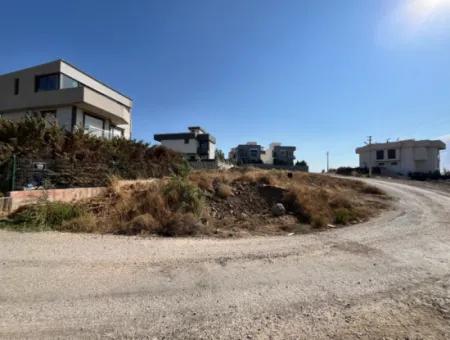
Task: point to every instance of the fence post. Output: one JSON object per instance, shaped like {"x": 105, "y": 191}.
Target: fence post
{"x": 13, "y": 178}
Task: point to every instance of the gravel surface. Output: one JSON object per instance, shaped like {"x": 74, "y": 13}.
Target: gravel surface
{"x": 389, "y": 278}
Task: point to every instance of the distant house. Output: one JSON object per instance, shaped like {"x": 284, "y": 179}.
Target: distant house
{"x": 253, "y": 153}
{"x": 195, "y": 144}
{"x": 60, "y": 92}
{"x": 402, "y": 157}
{"x": 249, "y": 153}
{"x": 278, "y": 154}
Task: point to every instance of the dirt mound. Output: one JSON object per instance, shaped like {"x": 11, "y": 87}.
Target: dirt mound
{"x": 220, "y": 203}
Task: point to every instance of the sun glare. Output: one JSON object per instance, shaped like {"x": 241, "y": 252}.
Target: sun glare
{"x": 418, "y": 12}
{"x": 413, "y": 19}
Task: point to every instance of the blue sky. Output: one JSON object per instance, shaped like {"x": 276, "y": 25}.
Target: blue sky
{"x": 321, "y": 75}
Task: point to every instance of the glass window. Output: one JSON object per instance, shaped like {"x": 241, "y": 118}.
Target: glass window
{"x": 392, "y": 154}
{"x": 253, "y": 153}
{"x": 48, "y": 82}
{"x": 116, "y": 132}
{"x": 380, "y": 154}
{"x": 68, "y": 83}
{"x": 93, "y": 125}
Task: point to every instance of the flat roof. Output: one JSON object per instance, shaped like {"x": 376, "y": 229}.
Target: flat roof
{"x": 71, "y": 65}
{"x": 402, "y": 143}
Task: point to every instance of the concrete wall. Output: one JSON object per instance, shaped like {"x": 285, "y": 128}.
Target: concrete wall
{"x": 212, "y": 151}
{"x": 21, "y": 198}
{"x": 87, "y": 80}
{"x": 10, "y": 101}
{"x": 180, "y": 146}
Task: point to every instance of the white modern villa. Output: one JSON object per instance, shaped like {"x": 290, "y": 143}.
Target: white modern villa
{"x": 194, "y": 145}
{"x": 402, "y": 157}
{"x": 60, "y": 92}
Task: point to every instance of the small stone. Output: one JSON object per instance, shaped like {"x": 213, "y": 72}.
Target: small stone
{"x": 278, "y": 209}
{"x": 331, "y": 226}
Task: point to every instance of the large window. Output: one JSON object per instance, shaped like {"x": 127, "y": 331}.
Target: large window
{"x": 93, "y": 125}
{"x": 55, "y": 81}
{"x": 392, "y": 154}
{"x": 380, "y": 154}
{"x": 68, "y": 83}
{"x": 253, "y": 153}
{"x": 48, "y": 82}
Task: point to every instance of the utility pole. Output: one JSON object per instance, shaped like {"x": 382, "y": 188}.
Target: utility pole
{"x": 328, "y": 161}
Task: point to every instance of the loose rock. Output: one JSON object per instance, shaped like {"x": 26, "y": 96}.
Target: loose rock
{"x": 278, "y": 209}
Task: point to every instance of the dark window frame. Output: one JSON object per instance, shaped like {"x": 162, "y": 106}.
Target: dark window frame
{"x": 36, "y": 81}
{"x": 16, "y": 86}
{"x": 186, "y": 140}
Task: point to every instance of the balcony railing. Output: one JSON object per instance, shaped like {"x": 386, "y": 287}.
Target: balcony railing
{"x": 95, "y": 131}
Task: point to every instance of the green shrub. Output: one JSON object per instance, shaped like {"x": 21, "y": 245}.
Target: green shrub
{"x": 79, "y": 159}
{"x": 183, "y": 196}
{"x": 343, "y": 216}
{"x": 44, "y": 216}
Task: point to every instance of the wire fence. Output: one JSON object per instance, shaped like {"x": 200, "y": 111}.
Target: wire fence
{"x": 28, "y": 174}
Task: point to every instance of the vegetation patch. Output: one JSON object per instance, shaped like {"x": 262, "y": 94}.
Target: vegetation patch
{"x": 42, "y": 216}
{"x": 77, "y": 159}
{"x": 215, "y": 203}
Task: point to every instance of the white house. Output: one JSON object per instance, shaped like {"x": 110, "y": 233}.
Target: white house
{"x": 195, "y": 144}
{"x": 402, "y": 157}
{"x": 62, "y": 93}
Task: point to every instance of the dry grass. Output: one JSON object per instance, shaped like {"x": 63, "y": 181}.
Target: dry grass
{"x": 228, "y": 203}
{"x": 315, "y": 199}
{"x": 165, "y": 207}
{"x": 224, "y": 190}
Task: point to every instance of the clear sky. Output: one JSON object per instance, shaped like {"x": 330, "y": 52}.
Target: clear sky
{"x": 321, "y": 75}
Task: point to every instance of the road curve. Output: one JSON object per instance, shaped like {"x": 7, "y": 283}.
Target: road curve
{"x": 389, "y": 277}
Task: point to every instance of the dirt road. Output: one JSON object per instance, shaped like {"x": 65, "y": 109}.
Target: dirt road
{"x": 386, "y": 278}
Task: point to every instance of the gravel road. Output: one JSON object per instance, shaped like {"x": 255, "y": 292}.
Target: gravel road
{"x": 389, "y": 278}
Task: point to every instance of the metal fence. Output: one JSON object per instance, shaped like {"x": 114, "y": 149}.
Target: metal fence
{"x": 27, "y": 174}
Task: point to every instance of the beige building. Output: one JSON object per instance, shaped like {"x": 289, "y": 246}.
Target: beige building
{"x": 60, "y": 92}
{"x": 402, "y": 157}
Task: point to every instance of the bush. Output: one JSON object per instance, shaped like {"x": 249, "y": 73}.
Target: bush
{"x": 144, "y": 223}
{"x": 180, "y": 225}
{"x": 349, "y": 171}
{"x": 342, "y": 216}
{"x": 80, "y": 159}
{"x": 183, "y": 196}
{"x": 423, "y": 176}
{"x": 86, "y": 223}
{"x": 44, "y": 216}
